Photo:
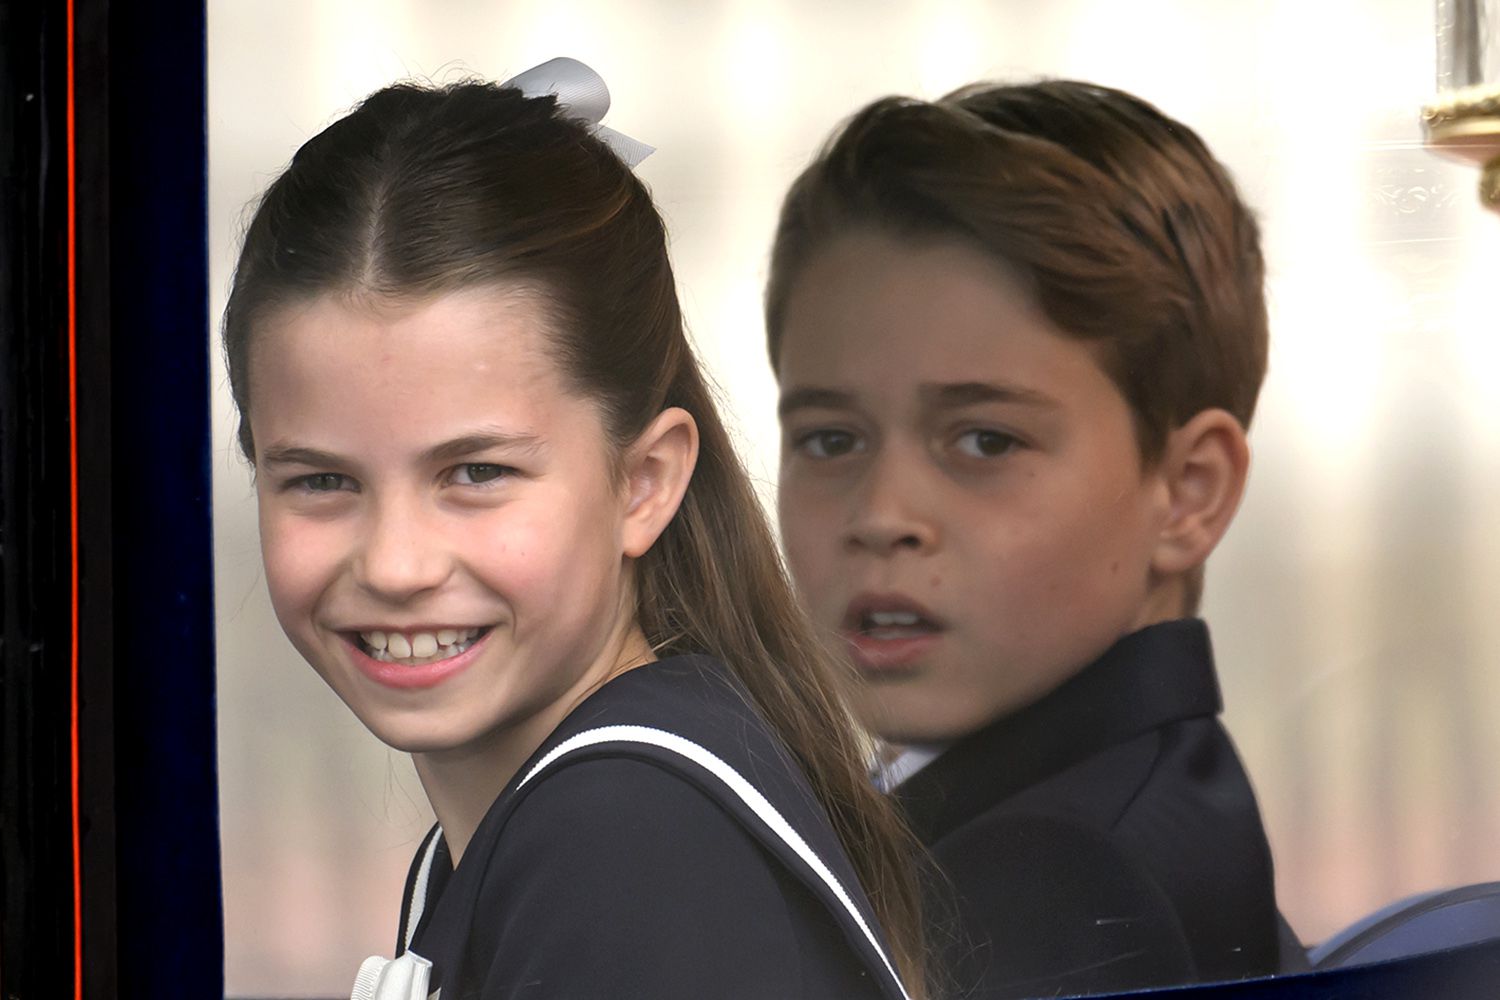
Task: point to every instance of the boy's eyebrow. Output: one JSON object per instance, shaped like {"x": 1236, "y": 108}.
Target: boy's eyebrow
{"x": 948, "y": 394}
{"x": 809, "y": 398}
{"x": 968, "y": 393}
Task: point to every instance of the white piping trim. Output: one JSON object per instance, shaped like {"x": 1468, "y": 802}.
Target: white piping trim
{"x": 737, "y": 784}
{"x": 419, "y": 888}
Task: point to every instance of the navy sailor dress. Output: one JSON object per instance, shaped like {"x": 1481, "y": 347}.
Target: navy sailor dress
{"x": 661, "y": 843}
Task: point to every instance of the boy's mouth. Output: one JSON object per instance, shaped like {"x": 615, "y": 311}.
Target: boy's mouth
{"x": 889, "y": 635}
{"x": 888, "y": 617}
{"x": 414, "y": 649}
{"x": 892, "y": 624}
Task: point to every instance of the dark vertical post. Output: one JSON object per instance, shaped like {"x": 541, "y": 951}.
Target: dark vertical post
{"x": 119, "y": 323}
{"x": 36, "y": 820}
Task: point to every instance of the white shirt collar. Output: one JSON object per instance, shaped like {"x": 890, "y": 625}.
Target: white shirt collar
{"x": 911, "y": 759}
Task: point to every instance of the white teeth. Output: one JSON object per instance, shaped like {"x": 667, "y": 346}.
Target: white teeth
{"x": 889, "y": 619}
{"x": 425, "y": 647}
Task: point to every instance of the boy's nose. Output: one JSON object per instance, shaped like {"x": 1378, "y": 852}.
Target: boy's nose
{"x": 888, "y": 514}
{"x": 401, "y": 555}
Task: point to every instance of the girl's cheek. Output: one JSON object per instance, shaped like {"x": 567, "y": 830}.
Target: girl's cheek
{"x": 298, "y": 557}
{"x": 515, "y": 558}
{"x": 286, "y": 578}
{"x": 542, "y": 558}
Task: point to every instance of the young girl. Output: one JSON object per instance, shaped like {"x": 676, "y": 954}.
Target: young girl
{"x": 502, "y": 519}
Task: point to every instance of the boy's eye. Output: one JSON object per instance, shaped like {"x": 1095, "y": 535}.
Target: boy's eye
{"x": 477, "y": 473}
{"x": 827, "y": 443}
{"x": 986, "y": 443}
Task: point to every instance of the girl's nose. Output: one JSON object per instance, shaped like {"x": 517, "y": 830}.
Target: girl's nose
{"x": 889, "y": 512}
{"x": 402, "y": 554}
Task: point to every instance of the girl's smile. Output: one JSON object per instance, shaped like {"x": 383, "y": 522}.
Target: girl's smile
{"x": 416, "y": 647}
{"x": 418, "y": 659}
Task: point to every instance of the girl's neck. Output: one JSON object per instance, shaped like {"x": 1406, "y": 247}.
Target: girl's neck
{"x": 462, "y": 783}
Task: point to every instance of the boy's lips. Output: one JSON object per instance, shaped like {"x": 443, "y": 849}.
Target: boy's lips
{"x": 889, "y": 632}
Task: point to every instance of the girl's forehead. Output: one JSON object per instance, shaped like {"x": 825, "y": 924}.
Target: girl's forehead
{"x": 509, "y": 325}
{"x": 335, "y": 367}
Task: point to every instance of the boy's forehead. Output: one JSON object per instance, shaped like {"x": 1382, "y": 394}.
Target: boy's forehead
{"x": 948, "y": 368}
{"x": 869, "y": 301}
{"x": 879, "y": 319}
{"x": 867, "y": 271}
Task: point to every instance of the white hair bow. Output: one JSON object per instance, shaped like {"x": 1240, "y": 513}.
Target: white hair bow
{"x": 583, "y": 93}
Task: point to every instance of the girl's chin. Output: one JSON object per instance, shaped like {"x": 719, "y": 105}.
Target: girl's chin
{"x": 413, "y": 737}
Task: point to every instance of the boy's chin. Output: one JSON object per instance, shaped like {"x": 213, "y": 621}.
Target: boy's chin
{"x": 918, "y": 716}
{"x": 895, "y": 722}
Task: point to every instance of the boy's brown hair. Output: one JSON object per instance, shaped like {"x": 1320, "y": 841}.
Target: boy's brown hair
{"x": 1126, "y": 230}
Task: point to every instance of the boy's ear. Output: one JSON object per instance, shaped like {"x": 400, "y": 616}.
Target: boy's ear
{"x": 658, "y": 466}
{"x": 1204, "y": 468}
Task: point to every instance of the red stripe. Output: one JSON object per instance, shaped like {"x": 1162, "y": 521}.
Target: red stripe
{"x": 73, "y": 510}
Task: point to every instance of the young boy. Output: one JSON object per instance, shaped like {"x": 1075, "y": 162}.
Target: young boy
{"x": 1019, "y": 334}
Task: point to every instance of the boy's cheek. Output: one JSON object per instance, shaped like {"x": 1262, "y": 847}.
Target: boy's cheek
{"x": 809, "y": 556}
{"x": 809, "y": 519}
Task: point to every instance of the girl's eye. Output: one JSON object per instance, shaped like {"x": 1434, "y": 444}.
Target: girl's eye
{"x": 477, "y": 473}
{"x": 827, "y": 444}
{"x": 321, "y": 482}
{"x": 986, "y": 443}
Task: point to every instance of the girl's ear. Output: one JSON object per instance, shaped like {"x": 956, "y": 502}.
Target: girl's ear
{"x": 658, "y": 467}
{"x": 1204, "y": 469}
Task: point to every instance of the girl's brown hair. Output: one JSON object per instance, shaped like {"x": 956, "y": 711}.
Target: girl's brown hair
{"x": 423, "y": 191}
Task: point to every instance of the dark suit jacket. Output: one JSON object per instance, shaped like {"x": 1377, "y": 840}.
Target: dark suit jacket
{"x": 624, "y": 870}
{"x": 1103, "y": 838}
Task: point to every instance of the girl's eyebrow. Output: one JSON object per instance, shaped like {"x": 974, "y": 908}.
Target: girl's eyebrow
{"x": 447, "y": 451}
{"x": 469, "y": 444}
{"x": 294, "y": 455}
